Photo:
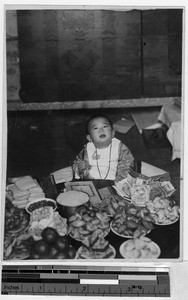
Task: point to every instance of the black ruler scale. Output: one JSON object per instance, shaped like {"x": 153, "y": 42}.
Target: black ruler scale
{"x": 88, "y": 281}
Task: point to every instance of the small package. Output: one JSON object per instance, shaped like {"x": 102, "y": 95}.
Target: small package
{"x": 140, "y": 194}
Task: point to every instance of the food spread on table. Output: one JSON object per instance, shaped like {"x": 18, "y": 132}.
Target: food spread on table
{"x": 22, "y": 190}
{"x": 163, "y": 211}
{"x": 35, "y": 229}
{"x": 16, "y": 219}
{"x": 52, "y": 246}
{"x": 95, "y": 247}
{"x": 36, "y": 205}
{"x": 43, "y": 214}
{"x": 72, "y": 198}
{"x": 88, "y": 220}
{"x": 15, "y": 239}
{"x": 111, "y": 204}
{"x": 16, "y": 246}
{"x": 132, "y": 221}
{"x": 142, "y": 247}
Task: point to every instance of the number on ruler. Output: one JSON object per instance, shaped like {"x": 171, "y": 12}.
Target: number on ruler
{"x": 84, "y": 289}
{"x": 129, "y": 289}
{"x": 40, "y": 288}
{"x": 137, "y": 287}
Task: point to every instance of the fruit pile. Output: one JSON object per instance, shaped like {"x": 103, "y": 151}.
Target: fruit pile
{"x": 52, "y": 246}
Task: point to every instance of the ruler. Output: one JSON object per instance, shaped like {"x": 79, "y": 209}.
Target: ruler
{"x": 87, "y": 281}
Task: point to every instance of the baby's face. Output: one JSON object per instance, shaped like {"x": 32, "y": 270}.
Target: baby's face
{"x": 100, "y": 132}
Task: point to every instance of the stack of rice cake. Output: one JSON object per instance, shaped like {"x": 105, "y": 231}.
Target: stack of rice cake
{"x": 23, "y": 190}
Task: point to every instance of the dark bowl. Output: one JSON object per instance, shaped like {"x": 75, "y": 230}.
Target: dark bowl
{"x": 68, "y": 202}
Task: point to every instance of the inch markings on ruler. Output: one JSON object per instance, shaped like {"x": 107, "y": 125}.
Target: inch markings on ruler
{"x": 88, "y": 289}
{"x": 30, "y": 280}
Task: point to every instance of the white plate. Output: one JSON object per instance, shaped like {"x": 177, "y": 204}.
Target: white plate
{"x": 169, "y": 223}
{"x": 111, "y": 248}
{"x": 122, "y": 235}
{"x": 124, "y": 253}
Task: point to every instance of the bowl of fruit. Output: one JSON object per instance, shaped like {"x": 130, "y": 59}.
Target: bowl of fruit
{"x": 52, "y": 246}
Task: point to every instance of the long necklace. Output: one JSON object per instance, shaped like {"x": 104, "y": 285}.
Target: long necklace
{"x": 109, "y": 162}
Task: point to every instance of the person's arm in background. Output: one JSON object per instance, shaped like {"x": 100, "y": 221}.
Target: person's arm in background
{"x": 125, "y": 162}
{"x": 81, "y": 165}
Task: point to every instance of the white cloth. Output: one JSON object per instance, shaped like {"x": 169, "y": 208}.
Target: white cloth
{"x": 171, "y": 116}
{"x": 63, "y": 175}
{"x": 170, "y": 113}
{"x": 174, "y": 136}
{"x": 104, "y": 159}
{"x": 150, "y": 170}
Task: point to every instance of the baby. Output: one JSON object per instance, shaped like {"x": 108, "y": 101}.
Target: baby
{"x": 104, "y": 156}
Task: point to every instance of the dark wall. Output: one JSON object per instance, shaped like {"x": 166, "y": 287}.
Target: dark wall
{"x": 70, "y": 55}
{"x": 162, "y": 52}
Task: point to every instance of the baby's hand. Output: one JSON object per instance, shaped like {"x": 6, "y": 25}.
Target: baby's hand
{"x": 81, "y": 165}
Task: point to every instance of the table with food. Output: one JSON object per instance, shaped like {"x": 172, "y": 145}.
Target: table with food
{"x": 134, "y": 219}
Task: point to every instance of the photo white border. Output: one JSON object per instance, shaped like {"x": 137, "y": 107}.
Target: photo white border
{"x": 181, "y": 266}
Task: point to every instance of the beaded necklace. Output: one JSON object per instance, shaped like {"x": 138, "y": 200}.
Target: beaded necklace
{"x": 109, "y": 162}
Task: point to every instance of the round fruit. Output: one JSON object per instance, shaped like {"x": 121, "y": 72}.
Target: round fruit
{"x": 53, "y": 252}
{"x": 34, "y": 255}
{"x": 50, "y": 235}
{"x": 61, "y": 244}
{"x": 41, "y": 248}
{"x": 62, "y": 255}
{"x": 71, "y": 252}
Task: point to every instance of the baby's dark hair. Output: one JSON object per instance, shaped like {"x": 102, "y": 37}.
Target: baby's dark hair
{"x": 96, "y": 117}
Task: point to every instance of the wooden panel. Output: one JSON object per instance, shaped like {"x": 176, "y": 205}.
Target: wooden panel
{"x": 90, "y": 55}
{"x": 162, "y": 52}
{"x": 175, "y": 42}
{"x": 95, "y": 104}
{"x": 76, "y": 55}
{"x": 13, "y": 70}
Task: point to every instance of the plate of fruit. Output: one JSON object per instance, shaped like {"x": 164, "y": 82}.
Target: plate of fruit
{"x": 52, "y": 246}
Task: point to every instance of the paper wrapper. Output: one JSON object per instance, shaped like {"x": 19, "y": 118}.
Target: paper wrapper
{"x": 139, "y": 190}
{"x": 140, "y": 194}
